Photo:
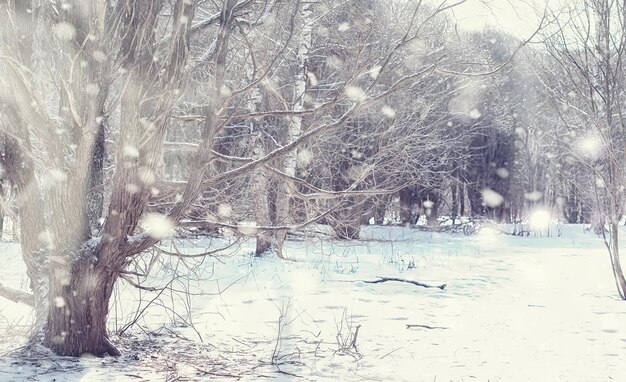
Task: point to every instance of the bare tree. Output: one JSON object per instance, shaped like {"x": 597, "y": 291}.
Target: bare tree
{"x": 101, "y": 90}
{"x": 75, "y": 248}
{"x": 93, "y": 93}
{"x": 589, "y": 48}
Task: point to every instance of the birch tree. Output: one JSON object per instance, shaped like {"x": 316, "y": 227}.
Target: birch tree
{"x": 274, "y": 240}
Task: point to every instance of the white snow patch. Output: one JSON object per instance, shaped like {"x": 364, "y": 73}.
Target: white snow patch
{"x": 158, "y": 226}
{"x": 305, "y": 157}
{"x": 590, "y": 145}
{"x": 92, "y": 89}
{"x": 374, "y": 72}
{"x": 130, "y": 151}
{"x": 388, "y": 112}
{"x": 99, "y": 56}
{"x": 600, "y": 183}
{"x": 491, "y": 198}
{"x": 345, "y": 26}
{"x": 146, "y": 175}
{"x": 132, "y": 188}
{"x": 502, "y": 172}
{"x": 247, "y": 228}
{"x": 475, "y": 114}
{"x": 225, "y": 91}
{"x": 539, "y": 219}
{"x": 312, "y": 78}
{"x": 59, "y": 302}
{"x": 355, "y": 93}
{"x": 224, "y": 210}
{"x": 53, "y": 177}
{"x": 533, "y": 196}
{"x": 65, "y": 31}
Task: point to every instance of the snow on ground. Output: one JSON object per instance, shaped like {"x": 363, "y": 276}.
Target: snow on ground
{"x": 514, "y": 309}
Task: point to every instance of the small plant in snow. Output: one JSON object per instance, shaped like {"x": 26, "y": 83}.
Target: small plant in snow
{"x": 347, "y": 336}
{"x": 281, "y": 356}
{"x": 411, "y": 264}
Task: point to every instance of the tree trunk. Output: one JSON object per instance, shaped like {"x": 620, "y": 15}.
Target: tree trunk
{"x": 2, "y": 211}
{"x": 614, "y": 186}
{"x": 455, "y": 201}
{"x": 79, "y": 306}
{"x": 475, "y": 202}
{"x": 71, "y": 280}
{"x": 462, "y": 199}
{"x": 294, "y": 129}
{"x": 408, "y": 202}
{"x": 95, "y": 196}
{"x": 380, "y": 209}
{"x": 264, "y": 242}
{"x": 432, "y": 212}
{"x": 618, "y": 273}
{"x": 260, "y": 184}
{"x": 613, "y": 244}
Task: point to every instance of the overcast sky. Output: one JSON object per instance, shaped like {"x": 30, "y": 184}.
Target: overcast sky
{"x": 518, "y": 17}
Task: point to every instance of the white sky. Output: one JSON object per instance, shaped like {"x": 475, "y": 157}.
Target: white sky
{"x": 518, "y": 17}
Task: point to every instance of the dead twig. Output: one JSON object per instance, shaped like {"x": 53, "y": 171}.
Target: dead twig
{"x": 391, "y": 352}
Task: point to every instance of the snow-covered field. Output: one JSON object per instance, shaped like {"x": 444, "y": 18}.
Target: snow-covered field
{"x": 514, "y": 309}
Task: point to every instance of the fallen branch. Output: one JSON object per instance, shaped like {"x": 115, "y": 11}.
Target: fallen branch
{"x": 17, "y": 295}
{"x": 385, "y": 279}
{"x": 409, "y": 326}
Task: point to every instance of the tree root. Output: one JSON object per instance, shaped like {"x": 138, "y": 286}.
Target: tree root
{"x": 110, "y": 349}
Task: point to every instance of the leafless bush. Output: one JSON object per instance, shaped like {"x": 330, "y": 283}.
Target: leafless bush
{"x": 347, "y": 336}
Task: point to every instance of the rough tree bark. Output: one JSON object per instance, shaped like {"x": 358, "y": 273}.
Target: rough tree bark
{"x": 454, "y": 189}
{"x": 72, "y": 262}
{"x": 262, "y": 207}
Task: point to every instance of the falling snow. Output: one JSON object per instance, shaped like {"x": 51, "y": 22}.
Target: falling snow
{"x": 312, "y": 190}
{"x": 158, "y": 226}
{"x": 491, "y": 198}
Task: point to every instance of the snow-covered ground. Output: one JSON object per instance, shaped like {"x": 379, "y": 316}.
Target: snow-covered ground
{"x": 514, "y": 309}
